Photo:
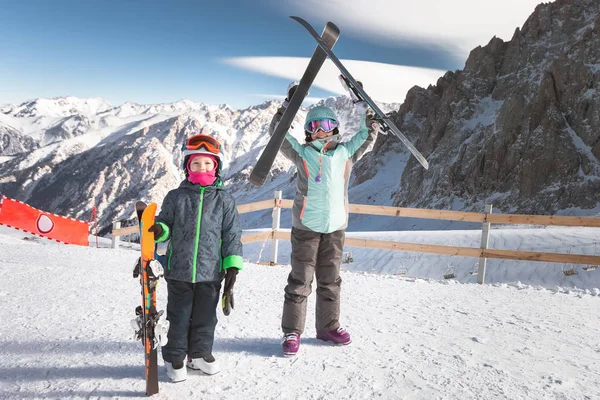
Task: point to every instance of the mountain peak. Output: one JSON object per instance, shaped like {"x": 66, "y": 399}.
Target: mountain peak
{"x": 57, "y": 107}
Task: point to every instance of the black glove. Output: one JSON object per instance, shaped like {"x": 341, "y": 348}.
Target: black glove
{"x": 157, "y": 229}
{"x": 227, "y": 300}
{"x": 230, "y": 276}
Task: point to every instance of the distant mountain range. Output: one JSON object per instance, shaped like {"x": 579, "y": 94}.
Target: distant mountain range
{"x": 67, "y": 155}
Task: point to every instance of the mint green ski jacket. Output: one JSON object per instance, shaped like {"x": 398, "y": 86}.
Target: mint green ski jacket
{"x": 322, "y": 206}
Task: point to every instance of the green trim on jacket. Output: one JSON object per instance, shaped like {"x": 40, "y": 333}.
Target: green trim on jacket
{"x": 198, "y": 227}
{"x": 233, "y": 262}
{"x": 165, "y": 233}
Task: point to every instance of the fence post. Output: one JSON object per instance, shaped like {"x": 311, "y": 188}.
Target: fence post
{"x": 485, "y": 238}
{"x": 276, "y": 219}
{"x": 115, "y": 239}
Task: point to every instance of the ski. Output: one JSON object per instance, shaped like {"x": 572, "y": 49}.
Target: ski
{"x": 386, "y": 123}
{"x": 258, "y": 176}
{"x": 150, "y": 325}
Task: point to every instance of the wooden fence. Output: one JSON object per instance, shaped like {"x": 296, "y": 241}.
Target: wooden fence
{"x": 483, "y": 253}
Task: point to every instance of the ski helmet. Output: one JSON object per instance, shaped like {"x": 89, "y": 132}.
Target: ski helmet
{"x": 202, "y": 144}
{"x": 321, "y": 112}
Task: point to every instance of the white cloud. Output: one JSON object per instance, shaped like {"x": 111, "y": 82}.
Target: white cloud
{"x": 383, "y": 82}
{"x": 458, "y": 25}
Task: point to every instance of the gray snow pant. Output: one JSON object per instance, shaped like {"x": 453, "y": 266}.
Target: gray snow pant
{"x": 192, "y": 313}
{"x": 317, "y": 254}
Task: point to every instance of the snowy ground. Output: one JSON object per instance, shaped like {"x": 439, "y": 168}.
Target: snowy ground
{"x": 65, "y": 334}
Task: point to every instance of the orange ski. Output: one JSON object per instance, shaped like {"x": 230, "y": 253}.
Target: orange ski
{"x": 149, "y": 272}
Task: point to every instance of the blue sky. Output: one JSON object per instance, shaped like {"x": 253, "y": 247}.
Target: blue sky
{"x": 224, "y": 51}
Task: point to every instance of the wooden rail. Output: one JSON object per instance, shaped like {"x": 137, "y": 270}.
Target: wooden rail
{"x": 129, "y": 230}
{"x": 460, "y": 251}
{"x": 256, "y": 237}
{"x": 242, "y": 209}
{"x": 483, "y": 218}
{"x": 512, "y": 219}
{"x": 260, "y": 205}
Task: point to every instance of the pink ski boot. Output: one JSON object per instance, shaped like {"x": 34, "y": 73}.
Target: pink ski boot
{"x": 291, "y": 344}
{"x": 336, "y": 336}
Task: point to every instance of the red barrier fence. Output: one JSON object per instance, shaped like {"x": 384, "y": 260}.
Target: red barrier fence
{"x": 19, "y": 215}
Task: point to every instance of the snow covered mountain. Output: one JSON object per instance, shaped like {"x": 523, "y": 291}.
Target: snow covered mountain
{"x": 519, "y": 126}
{"x": 67, "y": 155}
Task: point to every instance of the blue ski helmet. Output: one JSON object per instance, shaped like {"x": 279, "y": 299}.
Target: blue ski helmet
{"x": 320, "y": 112}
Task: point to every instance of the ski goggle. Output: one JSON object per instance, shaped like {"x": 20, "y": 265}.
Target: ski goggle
{"x": 326, "y": 125}
{"x": 198, "y": 141}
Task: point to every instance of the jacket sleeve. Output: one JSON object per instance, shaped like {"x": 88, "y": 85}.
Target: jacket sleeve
{"x": 166, "y": 217}
{"x": 362, "y": 139}
{"x": 290, "y": 145}
{"x": 231, "y": 235}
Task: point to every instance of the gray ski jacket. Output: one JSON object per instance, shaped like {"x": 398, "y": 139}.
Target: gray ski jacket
{"x": 203, "y": 226}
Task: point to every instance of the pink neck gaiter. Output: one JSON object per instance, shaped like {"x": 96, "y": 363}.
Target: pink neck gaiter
{"x": 202, "y": 178}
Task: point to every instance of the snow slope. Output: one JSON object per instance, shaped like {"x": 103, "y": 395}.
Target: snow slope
{"x": 65, "y": 334}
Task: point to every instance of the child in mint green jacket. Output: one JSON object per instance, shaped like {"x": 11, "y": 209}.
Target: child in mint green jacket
{"x": 319, "y": 220}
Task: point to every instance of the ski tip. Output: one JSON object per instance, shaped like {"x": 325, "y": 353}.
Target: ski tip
{"x": 256, "y": 181}
{"x": 329, "y": 27}
{"x": 140, "y": 206}
{"x": 332, "y": 27}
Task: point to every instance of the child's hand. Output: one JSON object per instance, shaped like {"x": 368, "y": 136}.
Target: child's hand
{"x": 157, "y": 230}
{"x": 290, "y": 92}
{"x": 361, "y": 107}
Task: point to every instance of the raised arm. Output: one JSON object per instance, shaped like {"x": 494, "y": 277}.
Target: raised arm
{"x": 364, "y": 137}
{"x": 372, "y": 135}
{"x": 290, "y": 146}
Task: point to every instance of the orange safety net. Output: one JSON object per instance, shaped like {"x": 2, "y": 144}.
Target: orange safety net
{"x": 19, "y": 215}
